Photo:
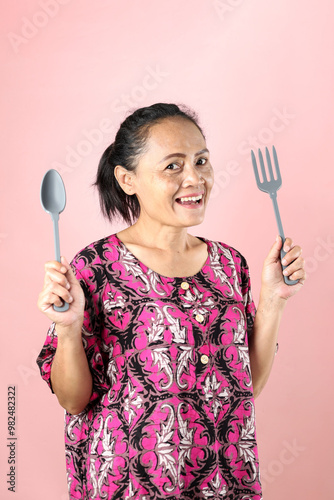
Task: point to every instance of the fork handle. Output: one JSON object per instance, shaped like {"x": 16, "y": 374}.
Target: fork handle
{"x": 286, "y": 278}
{"x": 273, "y": 196}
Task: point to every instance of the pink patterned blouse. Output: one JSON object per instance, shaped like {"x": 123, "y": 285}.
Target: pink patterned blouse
{"x": 171, "y": 415}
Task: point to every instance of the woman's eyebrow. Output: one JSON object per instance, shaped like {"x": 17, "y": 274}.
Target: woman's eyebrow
{"x": 182, "y": 155}
{"x": 205, "y": 150}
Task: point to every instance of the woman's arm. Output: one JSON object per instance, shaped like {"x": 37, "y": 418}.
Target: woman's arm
{"x": 273, "y": 298}
{"x": 71, "y": 379}
{"x": 70, "y": 374}
{"x": 263, "y": 341}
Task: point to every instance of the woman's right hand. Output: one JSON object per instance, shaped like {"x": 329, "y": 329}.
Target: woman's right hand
{"x": 60, "y": 283}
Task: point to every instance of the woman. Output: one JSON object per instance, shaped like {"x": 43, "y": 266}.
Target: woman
{"x": 160, "y": 355}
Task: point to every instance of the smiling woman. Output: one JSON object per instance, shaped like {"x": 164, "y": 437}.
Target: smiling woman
{"x": 159, "y": 357}
{"x": 132, "y": 143}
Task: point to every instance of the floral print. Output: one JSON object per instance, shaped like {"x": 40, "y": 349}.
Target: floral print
{"x": 172, "y": 413}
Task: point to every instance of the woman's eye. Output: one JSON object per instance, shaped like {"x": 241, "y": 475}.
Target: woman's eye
{"x": 177, "y": 166}
{"x": 172, "y": 166}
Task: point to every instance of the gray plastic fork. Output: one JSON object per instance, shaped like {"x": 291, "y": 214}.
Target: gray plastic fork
{"x": 271, "y": 186}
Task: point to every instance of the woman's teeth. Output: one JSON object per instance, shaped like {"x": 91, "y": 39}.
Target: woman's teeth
{"x": 192, "y": 198}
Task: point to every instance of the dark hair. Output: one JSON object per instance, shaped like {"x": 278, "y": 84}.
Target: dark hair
{"x": 129, "y": 144}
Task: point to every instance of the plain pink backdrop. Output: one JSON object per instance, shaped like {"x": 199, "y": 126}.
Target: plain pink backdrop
{"x": 258, "y": 73}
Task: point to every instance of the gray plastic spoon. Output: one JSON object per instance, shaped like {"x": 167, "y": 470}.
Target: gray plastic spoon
{"x": 53, "y": 199}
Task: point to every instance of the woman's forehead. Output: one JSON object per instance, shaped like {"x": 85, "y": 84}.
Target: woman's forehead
{"x": 173, "y": 133}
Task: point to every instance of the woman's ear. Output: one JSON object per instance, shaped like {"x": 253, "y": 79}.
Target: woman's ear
{"x": 125, "y": 179}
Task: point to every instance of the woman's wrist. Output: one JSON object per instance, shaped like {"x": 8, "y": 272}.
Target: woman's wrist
{"x": 71, "y": 332}
{"x": 269, "y": 301}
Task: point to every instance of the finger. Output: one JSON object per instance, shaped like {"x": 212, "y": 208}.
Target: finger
{"x": 302, "y": 280}
{"x": 54, "y": 276}
{"x": 57, "y": 301}
{"x": 57, "y": 266}
{"x": 58, "y": 270}
{"x": 69, "y": 274}
{"x": 297, "y": 266}
{"x": 297, "y": 275}
{"x": 53, "y": 271}
{"x": 288, "y": 244}
{"x": 52, "y": 300}
{"x": 274, "y": 252}
{"x": 292, "y": 255}
{"x": 54, "y": 293}
{"x": 47, "y": 299}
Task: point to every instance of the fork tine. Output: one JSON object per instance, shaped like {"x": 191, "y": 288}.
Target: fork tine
{"x": 257, "y": 178}
{"x": 278, "y": 173}
{"x": 264, "y": 176}
{"x": 270, "y": 168}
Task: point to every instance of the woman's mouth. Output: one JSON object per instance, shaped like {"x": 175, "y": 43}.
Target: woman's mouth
{"x": 190, "y": 201}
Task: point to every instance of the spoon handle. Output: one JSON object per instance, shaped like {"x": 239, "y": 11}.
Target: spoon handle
{"x": 55, "y": 218}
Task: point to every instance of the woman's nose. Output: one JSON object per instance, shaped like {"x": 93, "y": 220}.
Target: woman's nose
{"x": 192, "y": 176}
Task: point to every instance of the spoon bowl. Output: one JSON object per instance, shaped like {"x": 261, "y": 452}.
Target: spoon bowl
{"x": 53, "y": 195}
{"x": 53, "y": 199}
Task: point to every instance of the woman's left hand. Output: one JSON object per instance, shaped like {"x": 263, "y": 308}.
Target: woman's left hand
{"x": 272, "y": 277}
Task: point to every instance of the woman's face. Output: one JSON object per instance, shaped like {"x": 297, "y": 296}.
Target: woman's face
{"x": 174, "y": 177}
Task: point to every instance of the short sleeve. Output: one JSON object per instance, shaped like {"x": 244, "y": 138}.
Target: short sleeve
{"x": 250, "y": 309}
{"x": 91, "y": 337}
{"x": 45, "y": 358}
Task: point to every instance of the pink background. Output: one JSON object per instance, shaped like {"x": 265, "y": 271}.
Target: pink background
{"x": 258, "y": 73}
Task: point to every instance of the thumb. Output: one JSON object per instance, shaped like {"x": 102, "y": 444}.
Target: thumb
{"x": 274, "y": 253}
